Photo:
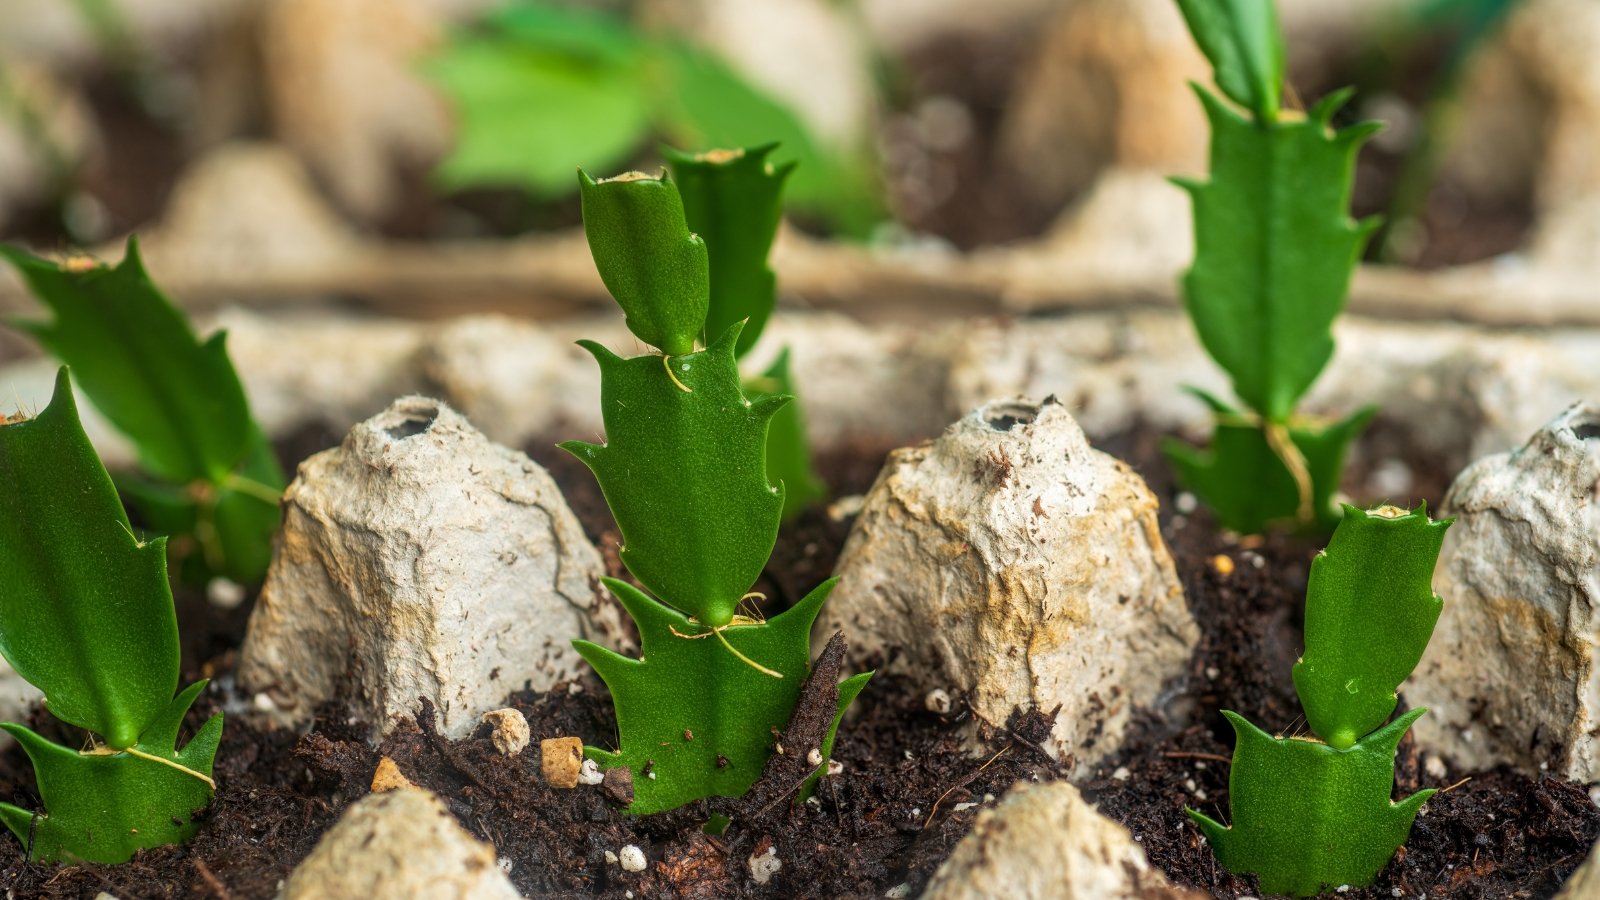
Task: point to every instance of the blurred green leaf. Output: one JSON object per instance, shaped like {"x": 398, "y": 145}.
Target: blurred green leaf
{"x": 707, "y": 104}
{"x": 540, "y": 89}
{"x": 135, "y": 355}
{"x": 1244, "y": 43}
{"x": 590, "y": 34}
{"x": 528, "y": 115}
{"x": 211, "y": 474}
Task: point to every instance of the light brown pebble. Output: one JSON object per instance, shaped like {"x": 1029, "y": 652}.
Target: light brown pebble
{"x": 388, "y": 777}
{"x": 510, "y": 735}
{"x": 562, "y": 761}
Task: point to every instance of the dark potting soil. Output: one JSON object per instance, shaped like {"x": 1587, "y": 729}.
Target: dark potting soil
{"x": 891, "y": 818}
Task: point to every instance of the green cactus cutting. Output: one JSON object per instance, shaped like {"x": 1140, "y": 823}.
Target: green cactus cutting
{"x": 683, "y": 468}
{"x": 733, "y": 199}
{"x": 209, "y": 474}
{"x": 1275, "y": 248}
{"x": 86, "y": 615}
{"x": 1314, "y": 812}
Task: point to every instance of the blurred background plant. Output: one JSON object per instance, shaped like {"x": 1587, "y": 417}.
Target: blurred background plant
{"x": 934, "y": 124}
{"x": 536, "y": 86}
{"x": 1446, "y": 32}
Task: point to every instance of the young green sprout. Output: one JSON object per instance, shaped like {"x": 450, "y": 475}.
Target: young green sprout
{"x": 209, "y": 475}
{"x": 1314, "y": 812}
{"x": 1274, "y": 251}
{"x": 683, "y": 468}
{"x": 733, "y": 199}
{"x": 86, "y": 616}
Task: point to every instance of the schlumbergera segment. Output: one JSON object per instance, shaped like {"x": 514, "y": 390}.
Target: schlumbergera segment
{"x": 1315, "y": 812}
{"x": 86, "y": 615}
{"x": 733, "y": 199}
{"x": 683, "y": 469}
{"x": 1275, "y": 247}
{"x": 208, "y": 475}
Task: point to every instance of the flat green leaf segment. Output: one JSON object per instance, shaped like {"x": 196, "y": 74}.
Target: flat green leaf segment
{"x": 86, "y": 613}
{"x": 86, "y": 616}
{"x": 1306, "y": 816}
{"x": 538, "y": 86}
{"x": 696, "y": 721}
{"x": 1370, "y": 610}
{"x": 102, "y": 808}
{"x": 788, "y": 449}
{"x": 1248, "y": 486}
{"x": 733, "y": 199}
{"x": 1242, "y": 40}
{"x": 685, "y": 475}
{"x": 210, "y": 472}
{"x": 1274, "y": 248}
{"x": 651, "y": 264}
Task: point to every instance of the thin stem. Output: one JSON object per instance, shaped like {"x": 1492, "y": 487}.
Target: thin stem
{"x": 250, "y": 487}
{"x": 1284, "y": 448}
{"x": 717, "y": 632}
{"x": 140, "y": 754}
{"x": 666, "y": 364}
{"x": 742, "y": 658}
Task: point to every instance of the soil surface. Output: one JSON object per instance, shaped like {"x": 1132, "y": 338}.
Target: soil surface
{"x": 901, "y": 803}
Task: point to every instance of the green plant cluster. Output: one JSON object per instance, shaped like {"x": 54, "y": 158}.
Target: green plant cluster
{"x": 684, "y": 470}
{"x": 1275, "y": 248}
{"x": 1314, "y": 811}
{"x": 208, "y": 477}
{"x": 700, "y": 464}
{"x": 539, "y": 85}
{"x": 86, "y": 616}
